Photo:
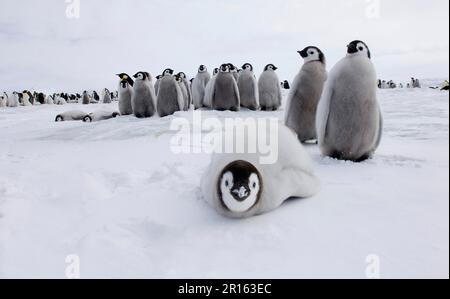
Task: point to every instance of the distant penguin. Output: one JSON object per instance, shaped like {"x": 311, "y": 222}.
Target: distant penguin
{"x": 286, "y": 85}
{"x": 125, "y": 95}
{"x": 349, "y": 119}
{"x": 49, "y": 100}
{"x": 199, "y": 86}
{"x": 26, "y": 98}
{"x": 86, "y": 98}
{"x": 59, "y": 100}
{"x": 270, "y": 96}
{"x": 74, "y": 115}
{"x": 240, "y": 186}
{"x": 170, "y": 97}
{"x": 445, "y": 86}
{"x": 234, "y": 71}
{"x": 100, "y": 115}
{"x": 106, "y": 96}
{"x": 305, "y": 94}
{"x": 207, "y": 101}
{"x": 417, "y": 83}
{"x": 187, "y": 87}
{"x": 3, "y": 100}
{"x": 248, "y": 88}
{"x": 225, "y": 93}
{"x": 13, "y": 100}
{"x": 144, "y": 98}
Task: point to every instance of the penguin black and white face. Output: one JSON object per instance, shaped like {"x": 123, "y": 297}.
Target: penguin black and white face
{"x": 178, "y": 78}
{"x": 232, "y": 68}
{"x": 216, "y": 71}
{"x": 224, "y": 68}
{"x": 141, "y": 76}
{"x": 59, "y": 118}
{"x": 87, "y": 119}
{"x": 182, "y": 75}
{"x": 168, "y": 72}
{"x": 124, "y": 84}
{"x": 247, "y": 67}
{"x": 312, "y": 54}
{"x": 240, "y": 187}
{"x": 358, "y": 48}
{"x": 202, "y": 69}
{"x": 270, "y": 67}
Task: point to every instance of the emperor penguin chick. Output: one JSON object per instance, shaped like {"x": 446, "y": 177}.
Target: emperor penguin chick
{"x": 207, "y": 102}
{"x": 225, "y": 93}
{"x": 349, "y": 118}
{"x": 144, "y": 98}
{"x": 248, "y": 88}
{"x": 305, "y": 94}
{"x": 269, "y": 89}
{"x": 199, "y": 86}
{"x": 186, "y": 90}
{"x": 244, "y": 185}
{"x": 170, "y": 97}
{"x": 125, "y": 96}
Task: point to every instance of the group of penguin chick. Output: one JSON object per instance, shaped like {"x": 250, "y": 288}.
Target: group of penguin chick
{"x": 227, "y": 89}
{"x": 28, "y": 98}
{"x": 339, "y": 109}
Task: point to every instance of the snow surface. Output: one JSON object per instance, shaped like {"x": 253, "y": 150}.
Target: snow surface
{"x": 113, "y": 193}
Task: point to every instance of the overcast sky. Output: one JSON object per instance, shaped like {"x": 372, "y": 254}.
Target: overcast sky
{"x": 41, "y": 48}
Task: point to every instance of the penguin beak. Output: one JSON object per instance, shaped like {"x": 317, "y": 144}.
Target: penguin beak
{"x": 241, "y": 193}
{"x": 303, "y": 53}
{"x": 351, "y": 49}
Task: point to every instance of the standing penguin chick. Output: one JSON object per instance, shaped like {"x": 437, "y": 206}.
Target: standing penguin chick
{"x": 225, "y": 93}
{"x": 199, "y": 86}
{"x": 125, "y": 95}
{"x": 27, "y": 98}
{"x": 186, "y": 89}
{"x": 3, "y": 100}
{"x": 170, "y": 97}
{"x": 269, "y": 89}
{"x": 143, "y": 98}
{"x": 86, "y": 98}
{"x": 305, "y": 94}
{"x": 248, "y": 88}
{"x": 207, "y": 101}
{"x": 107, "y": 96}
{"x": 349, "y": 120}
{"x": 13, "y": 100}
{"x": 158, "y": 79}
{"x": 241, "y": 186}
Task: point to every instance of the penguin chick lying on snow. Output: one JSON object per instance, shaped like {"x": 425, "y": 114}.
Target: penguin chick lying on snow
{"x": 74, "y": 115}
{"x": 100, "y": 115}
{"x": 240, "y": 186}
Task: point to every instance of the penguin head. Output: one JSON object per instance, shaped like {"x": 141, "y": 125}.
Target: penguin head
{"x": 59, "y": 118}
{"x": 115, "y": 114}
{"x": 270, "y": 67}
{"x": 312, "y": 54}
{"x": 182, "y": 75}
{"x": 232, "y": 68}
{"x": 159, "y": 77}
{"x": 177, "y": 78}
{"x": 240, "y": 187}
{"x": 202, "y": 69}
{"x": 168, "y": 72}
{"x": 357, "y": 48}
{"x": 87, "y": 119}
{"x": 224, "y": 68}
{"x": 141, "y": 76}
{"x": 124, "y": 76}
{"x": 216, "y": 71}
{"x": 247, "y": 67}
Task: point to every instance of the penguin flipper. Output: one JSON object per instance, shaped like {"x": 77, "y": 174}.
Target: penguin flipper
{"x": 323, "y": 112}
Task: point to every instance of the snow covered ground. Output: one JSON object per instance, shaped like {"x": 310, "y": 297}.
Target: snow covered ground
{"x": 113, "y": 194}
